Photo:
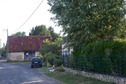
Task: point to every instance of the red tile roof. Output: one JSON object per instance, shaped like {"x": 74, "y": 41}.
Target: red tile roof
{"x": 25, "y": 43}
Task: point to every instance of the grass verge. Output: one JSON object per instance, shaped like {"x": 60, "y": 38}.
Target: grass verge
{"x": 67, "y": 78}
{"x": 22, "y": 62}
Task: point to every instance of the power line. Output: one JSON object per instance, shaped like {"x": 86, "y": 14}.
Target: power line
{"x": 29, "y": 16}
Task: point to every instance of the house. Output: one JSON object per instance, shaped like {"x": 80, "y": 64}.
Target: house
{"x": 22, "y": 48}
{"x": 66, "y": 51}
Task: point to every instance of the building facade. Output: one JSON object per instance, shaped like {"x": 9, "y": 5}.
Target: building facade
{"x": 23, "y": 48}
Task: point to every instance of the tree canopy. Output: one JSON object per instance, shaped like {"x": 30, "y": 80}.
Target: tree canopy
{"x": 53, "y": 35}
{"x": 86, "y": 21}
{"x": 43, "y": 30}
{"x": 39, "y": 30}
{"x": 19, "y": 34}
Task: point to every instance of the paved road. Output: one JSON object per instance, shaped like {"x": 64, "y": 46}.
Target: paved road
{"x": 22, "y": 74}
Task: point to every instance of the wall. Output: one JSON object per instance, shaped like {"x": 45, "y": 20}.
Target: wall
{"x": 66, "y": 50}
{"x": 36, "y": 54}
{"x": 102, "y": 77}
{"x": 16, "y": 56}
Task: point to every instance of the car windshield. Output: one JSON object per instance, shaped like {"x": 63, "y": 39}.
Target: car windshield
{"x": 36, "y": 59}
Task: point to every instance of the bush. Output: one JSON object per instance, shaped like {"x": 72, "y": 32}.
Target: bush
{"x": 54, "y": 59}
{"x": 50, "y": 58}
{"x": 102, "y": 57}
{"x": 3, "y": 52}
{"x": 57, "y": 60}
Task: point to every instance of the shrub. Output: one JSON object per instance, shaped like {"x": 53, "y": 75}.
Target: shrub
{"x": 50, "y": 58}
{"x": 57, "y": 60}
{"x": 54, "y": 59}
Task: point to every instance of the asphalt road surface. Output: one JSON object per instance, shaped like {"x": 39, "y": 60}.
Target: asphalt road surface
{"x": 12, "y": 73}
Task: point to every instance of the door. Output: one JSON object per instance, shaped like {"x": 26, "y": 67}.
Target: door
{"x": 29, "y": 55}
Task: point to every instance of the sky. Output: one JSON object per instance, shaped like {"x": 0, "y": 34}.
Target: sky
{"x": 13, "y": 13}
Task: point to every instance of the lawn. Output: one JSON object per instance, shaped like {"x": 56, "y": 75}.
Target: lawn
{"x": 66, "y": 78}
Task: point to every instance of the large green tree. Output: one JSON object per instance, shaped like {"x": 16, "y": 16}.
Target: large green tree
{"x": 44, "y": 31}
{"x": 39, "y": 30}
{"x": 53, "y": 35}
{"x": 86, "y": 21}
{"x": 19, "y": 34}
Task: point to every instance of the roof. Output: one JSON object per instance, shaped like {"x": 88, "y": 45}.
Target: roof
{"x": 25, "y": 43}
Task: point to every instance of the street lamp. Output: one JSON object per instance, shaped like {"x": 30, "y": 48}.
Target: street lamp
{"x": 7, "y": 44}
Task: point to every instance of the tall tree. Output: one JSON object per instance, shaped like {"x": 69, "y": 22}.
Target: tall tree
{"x": 43, "y": 30}
{"x": 86, "y": 21}
{"x": 39, "y": 30}
{"x": 19, "y": 34}
{"x": 53, "y": 35}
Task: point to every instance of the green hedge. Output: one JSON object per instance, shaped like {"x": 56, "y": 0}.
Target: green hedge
{"x": 102, "y": 57}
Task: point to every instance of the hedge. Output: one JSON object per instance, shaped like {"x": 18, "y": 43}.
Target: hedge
{"x": 102, "y": 57}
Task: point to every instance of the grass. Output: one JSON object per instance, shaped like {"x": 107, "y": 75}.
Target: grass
{"x": 67, "y": 78}
{"x": 22, "y": 62}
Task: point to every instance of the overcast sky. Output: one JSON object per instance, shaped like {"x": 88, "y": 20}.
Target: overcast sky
{"x": 13, "y": 13}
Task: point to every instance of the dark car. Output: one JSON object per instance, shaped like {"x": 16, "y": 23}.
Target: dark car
{"x": 36, "y": 62}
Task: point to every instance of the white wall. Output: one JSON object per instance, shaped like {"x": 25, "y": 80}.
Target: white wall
{"x": 16, "y": 56}
{"x": 66, "y": 50}
{"x": 36, "y": 54}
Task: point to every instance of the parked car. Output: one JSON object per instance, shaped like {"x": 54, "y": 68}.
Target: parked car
{"x": 36, "y": 62}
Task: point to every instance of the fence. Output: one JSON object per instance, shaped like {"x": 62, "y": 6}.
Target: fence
{"x": 99, "y": 64}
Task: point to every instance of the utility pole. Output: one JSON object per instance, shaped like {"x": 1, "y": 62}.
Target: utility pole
{"x": 7, "y": 45}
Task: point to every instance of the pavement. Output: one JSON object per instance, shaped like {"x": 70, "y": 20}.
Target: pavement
{"x": 19, "y": 73}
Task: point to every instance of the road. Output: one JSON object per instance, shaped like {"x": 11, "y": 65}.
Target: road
{"x": 13, "y": 73}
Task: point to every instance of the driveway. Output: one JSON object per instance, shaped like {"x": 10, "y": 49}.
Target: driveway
{"x": 13, "y": 73}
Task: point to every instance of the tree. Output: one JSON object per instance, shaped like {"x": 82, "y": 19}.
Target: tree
{"x": 3, "y": 50}
{"x": 122, "y": 32}
{"x": 51, "y": 51}
{"x": 19, "y": 34}
{"x": 53, "y": 35}
{"x": 43, "y": 30}
{"x": 39, "y": 30}
{"x": 86, "y": 21}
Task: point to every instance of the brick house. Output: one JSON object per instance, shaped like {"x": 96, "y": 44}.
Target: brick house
{"x": 24, "y": 47}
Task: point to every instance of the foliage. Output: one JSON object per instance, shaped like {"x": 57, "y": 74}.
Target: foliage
{"x": 3, "y": 51}
{"x": 53, "y": 35}
{"x": 51, "y": 52}
{"x": 122, "y": 31}
{"x": 39, "y": 30}
{"x": 43, "y": 30}
{"x": 86, "y": 21}
{"x": 102, "y": 57}
{"x": 50, "y": 58}
{"x": 19, "y": 34}
{"x": 57, "y": 60}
